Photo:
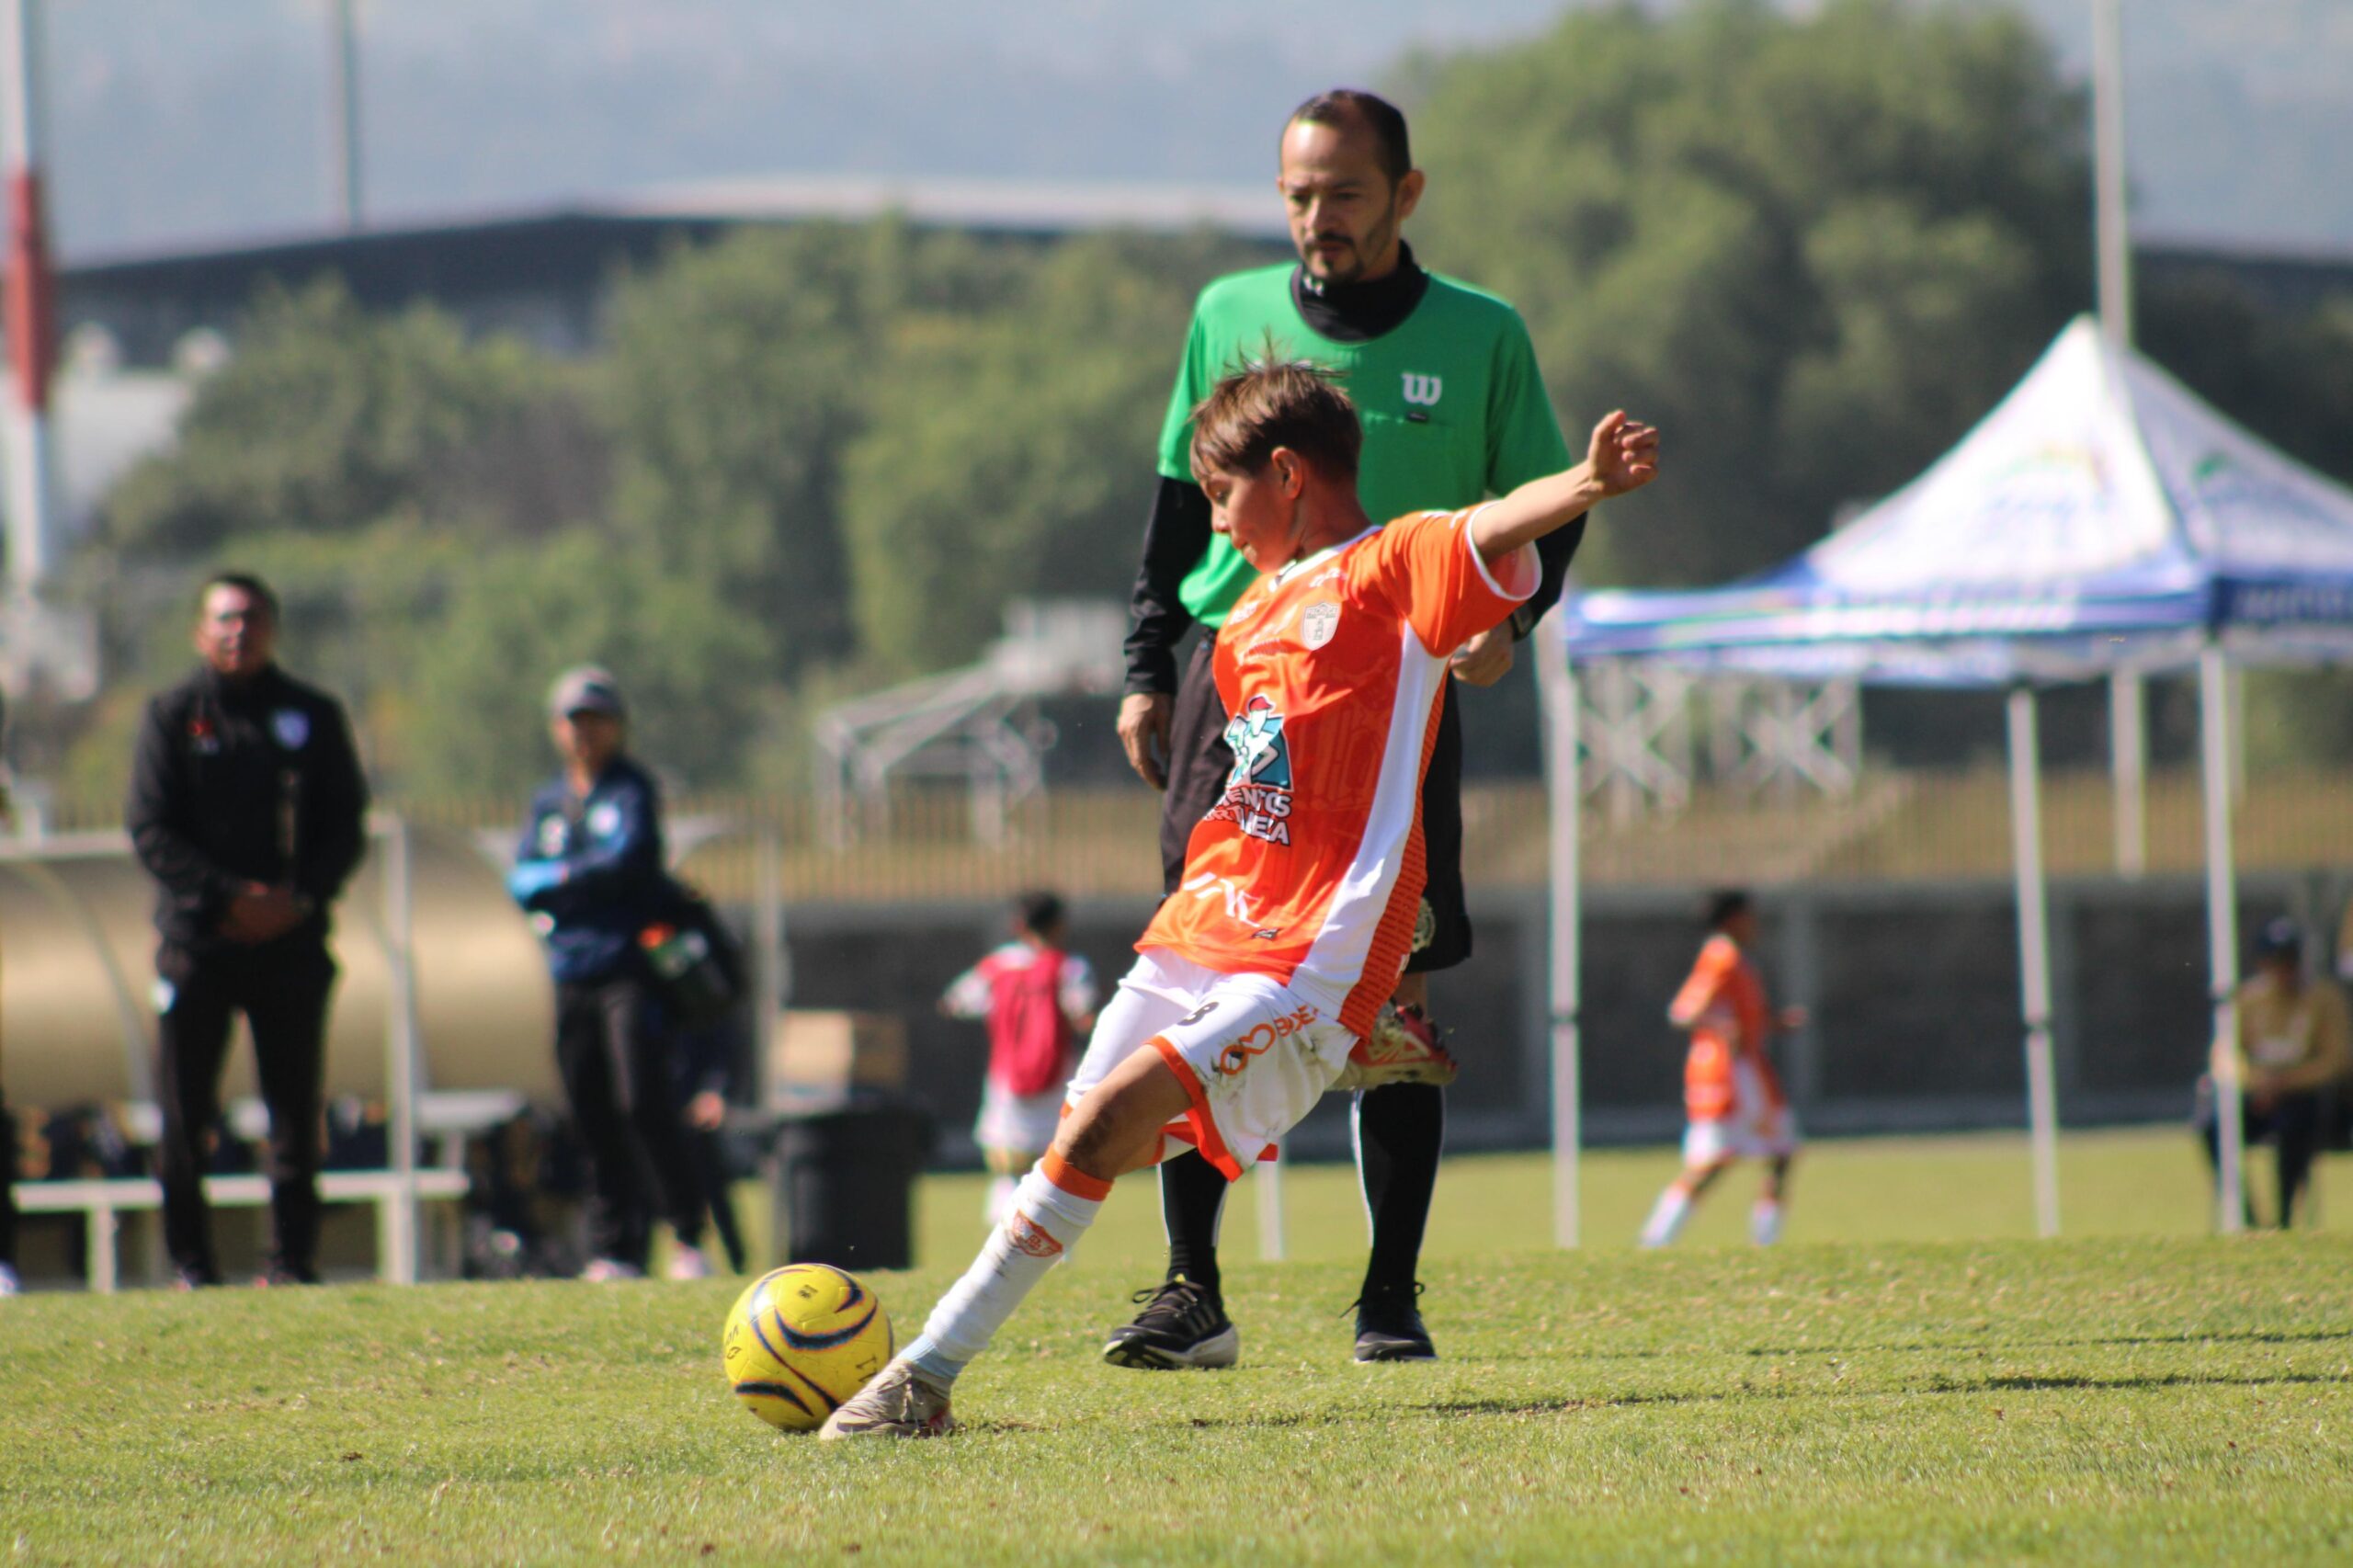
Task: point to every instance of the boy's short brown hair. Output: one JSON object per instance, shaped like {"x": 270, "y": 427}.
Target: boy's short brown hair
{"x": 1271, "y": 404}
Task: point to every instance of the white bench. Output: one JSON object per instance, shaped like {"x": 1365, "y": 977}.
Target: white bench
{"x": 102, "y": 1200}
{"x": 445, "y": 1118}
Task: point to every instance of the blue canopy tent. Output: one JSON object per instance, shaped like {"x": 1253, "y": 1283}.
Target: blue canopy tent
{"x": 2102, "y": 517}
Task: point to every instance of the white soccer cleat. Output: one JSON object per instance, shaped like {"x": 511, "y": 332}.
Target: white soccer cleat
{"x": 1404, "y": 1048}
{"x": 7, "y": 1280}
{"x": 610, "y": 1270}
{"x": 897, "y": 1403}
{"x": 689, "y": 1262}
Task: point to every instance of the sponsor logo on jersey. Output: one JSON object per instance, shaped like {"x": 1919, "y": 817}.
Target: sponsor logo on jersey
{"x": 1422, "y": 390}
{"x": 1258, "y": 790}
{"x": 1027, "y": 1236}
{"x": 1317, "y": 622}
{"x": 1260, "y": 1038}
{"x": 1254, "y": 736}
{"x": 291, "y": 726}
{"x": 1237, "y": 903}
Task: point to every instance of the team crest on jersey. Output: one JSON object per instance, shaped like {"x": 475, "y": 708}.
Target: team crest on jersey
{"x": 1257, "y": 792}
{"x": 1317, "y": 622}
{"x": 291, "y": 726}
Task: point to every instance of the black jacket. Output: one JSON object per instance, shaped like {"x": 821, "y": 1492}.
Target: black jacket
{"x": 236, "y": 782}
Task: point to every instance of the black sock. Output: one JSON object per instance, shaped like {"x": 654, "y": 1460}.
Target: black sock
{"x": 1400, "y": 1130}
{"x": 1192, "y": 1198}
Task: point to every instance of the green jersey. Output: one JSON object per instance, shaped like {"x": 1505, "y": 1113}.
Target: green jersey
{"x": 1452, "y": 407}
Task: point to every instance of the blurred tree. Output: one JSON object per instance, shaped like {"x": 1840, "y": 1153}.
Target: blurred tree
{"x": 1011, "y": 454}
{"x": 329, "y": 417}
{"x": 518, "y": 616}
{"x": 1812, "y": 250}
{"x": 740, "y": 374}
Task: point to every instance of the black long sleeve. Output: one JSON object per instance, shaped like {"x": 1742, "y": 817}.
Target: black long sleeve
{"x": 1174, "y": 542}
{"x": 194, "y": 882}
{"x": 1554, "y": 552}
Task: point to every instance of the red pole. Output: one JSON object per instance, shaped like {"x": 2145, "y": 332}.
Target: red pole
{"x": 32, "y": 297}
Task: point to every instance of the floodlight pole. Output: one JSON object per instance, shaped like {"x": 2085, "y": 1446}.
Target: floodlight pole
{"x": 1556, "y": 684}
{"x": 2034, "y": 957}
{"x": 2127, "y": 698}
{"x": 342, "y": 111}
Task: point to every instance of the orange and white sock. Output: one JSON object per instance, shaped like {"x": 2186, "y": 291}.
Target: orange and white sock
{"x": 1052, "y": 1209}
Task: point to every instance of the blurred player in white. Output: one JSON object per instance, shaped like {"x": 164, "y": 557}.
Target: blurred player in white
{"x": 1039, "y": 1000}
{"x": 1729, "y": 1092}
{"x": 1254, "y": 986}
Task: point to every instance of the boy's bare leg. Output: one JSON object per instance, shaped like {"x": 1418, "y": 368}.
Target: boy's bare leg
{"x": 1118, "y": 1128}
{"x": 1674, "y": 1205}
{"x": 1765, "y": 1220}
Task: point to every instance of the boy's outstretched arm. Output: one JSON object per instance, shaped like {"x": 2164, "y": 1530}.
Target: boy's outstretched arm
{"x": 1621, "y": 456}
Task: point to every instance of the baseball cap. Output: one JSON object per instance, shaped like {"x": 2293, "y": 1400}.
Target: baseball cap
{"x": 2279, "y": 939}
{"x": 585, "y": 688}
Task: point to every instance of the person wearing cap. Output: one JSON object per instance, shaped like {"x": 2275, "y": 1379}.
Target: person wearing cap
{"x": 2293, "y": 1048}
{"x": 590, "y": 872}
{"x": 248, "y": 810}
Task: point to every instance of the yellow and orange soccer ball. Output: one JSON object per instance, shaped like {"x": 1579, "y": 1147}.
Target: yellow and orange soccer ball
{"x": 802, "y": 1339}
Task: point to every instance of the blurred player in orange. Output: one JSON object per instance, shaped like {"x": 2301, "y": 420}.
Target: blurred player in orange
{"x": 1730, "y": 1091}
{"x": 1256, "y": 984}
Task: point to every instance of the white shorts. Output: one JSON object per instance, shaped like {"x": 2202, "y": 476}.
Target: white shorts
{"x": 1253, "y": 1056}
{"x": 1023, "y": 1123}
{"x": 1754, "y": 1128}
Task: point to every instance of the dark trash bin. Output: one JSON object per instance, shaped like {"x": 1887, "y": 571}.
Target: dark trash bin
{"x": 844, "y": 1186}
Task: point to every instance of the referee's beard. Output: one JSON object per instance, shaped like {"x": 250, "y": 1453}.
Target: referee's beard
{"x": 1337, "y": 269}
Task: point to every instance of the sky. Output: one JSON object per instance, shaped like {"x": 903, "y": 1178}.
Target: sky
{"x": 187, "y": 123}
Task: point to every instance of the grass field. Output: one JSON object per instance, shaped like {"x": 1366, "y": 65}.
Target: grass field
{"x": 1880, "y": 1390}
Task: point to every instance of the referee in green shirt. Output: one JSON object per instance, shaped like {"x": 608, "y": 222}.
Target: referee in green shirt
{"x": 1445, "y": 380}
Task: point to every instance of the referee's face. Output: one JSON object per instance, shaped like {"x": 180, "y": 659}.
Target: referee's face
{"x": 1344, "y": 213}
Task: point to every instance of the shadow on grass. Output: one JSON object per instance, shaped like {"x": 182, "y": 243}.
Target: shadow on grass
{"x": 1591, "y": 1403}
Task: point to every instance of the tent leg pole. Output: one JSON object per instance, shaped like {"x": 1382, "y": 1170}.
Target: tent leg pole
{"x": 2222, "y": 933}
{"x": 2128, "y": 762}
{"x": 1557, "y": 686}
{"x": 2034, "y": 957}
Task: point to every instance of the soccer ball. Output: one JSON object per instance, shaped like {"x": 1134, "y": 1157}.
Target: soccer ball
{"x": 799, "y": 1340}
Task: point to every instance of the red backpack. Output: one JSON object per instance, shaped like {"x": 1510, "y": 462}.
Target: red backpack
{"x": 1029, "y": 1036}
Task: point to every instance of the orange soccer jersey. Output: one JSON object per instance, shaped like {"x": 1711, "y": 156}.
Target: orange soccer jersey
{"x": 1724, "y": 1006}
{"x": 1308, "y": 868}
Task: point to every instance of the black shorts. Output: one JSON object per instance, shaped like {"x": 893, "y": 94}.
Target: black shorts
{"x": 1198, "y": 762}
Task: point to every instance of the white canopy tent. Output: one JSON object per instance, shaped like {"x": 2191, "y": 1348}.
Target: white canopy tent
{"x": 2102, "y": 517}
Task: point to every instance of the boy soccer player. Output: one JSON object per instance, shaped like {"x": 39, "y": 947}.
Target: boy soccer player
{"x": 1255, "y": 983}
{"x": 1729, "y": 1092}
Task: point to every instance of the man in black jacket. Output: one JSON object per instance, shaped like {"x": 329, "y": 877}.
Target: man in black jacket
{"x": 248, "y": 809}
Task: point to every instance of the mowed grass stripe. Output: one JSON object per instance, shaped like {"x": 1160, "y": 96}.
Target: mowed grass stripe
{"x": 2109, "y": 1399}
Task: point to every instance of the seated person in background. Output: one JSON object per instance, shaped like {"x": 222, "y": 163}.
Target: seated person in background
{"x": 1039, "y": 1000}
{"x": 2293, "y": 1052}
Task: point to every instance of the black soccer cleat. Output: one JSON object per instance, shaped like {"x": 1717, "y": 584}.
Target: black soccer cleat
{"x": 1389, "y": 1327}
{"x": 1181, "y": 1325}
